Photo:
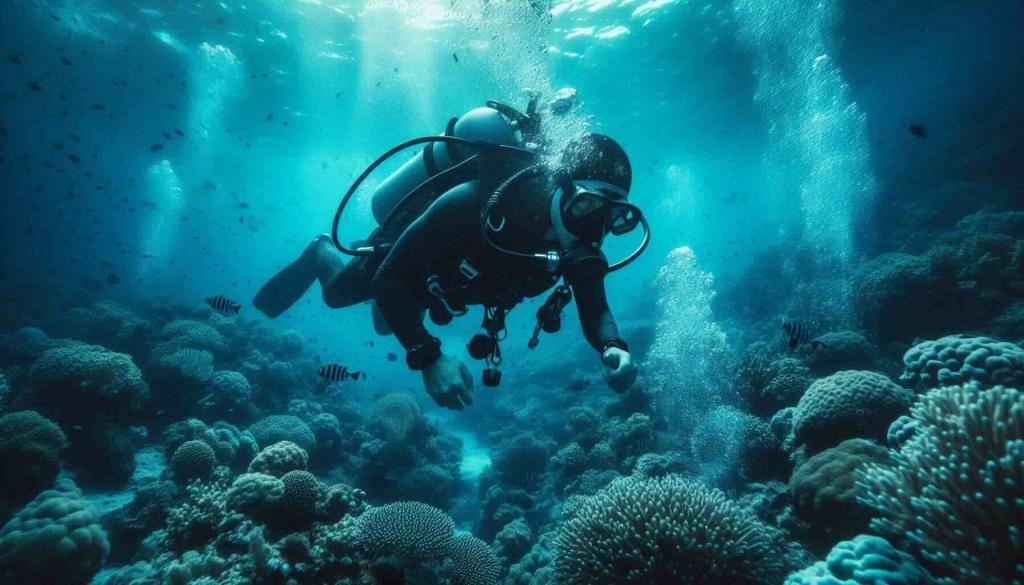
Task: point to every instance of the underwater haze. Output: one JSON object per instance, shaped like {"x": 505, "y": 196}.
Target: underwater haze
{"x": 815, "y": 369}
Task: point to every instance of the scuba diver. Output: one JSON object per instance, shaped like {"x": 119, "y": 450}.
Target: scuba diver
{"x": 479, "y": 217}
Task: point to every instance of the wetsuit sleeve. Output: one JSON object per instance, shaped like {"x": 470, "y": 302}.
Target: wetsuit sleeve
{"x": 400, "y": 283}
{"x": 586, "y": 277}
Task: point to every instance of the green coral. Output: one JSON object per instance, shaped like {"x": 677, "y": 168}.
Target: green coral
{"x": 411, "y": 531}
{"x": 283, "y": 427}
{"x": 30, "y": 446}
{"x": 193, "y": 460}
{"x": 473, "y": 561}
{"x": 81, "y": 379}
{"x": 952, "y": 497}
{"x": 664, "y": 530}
{"x": 847, "y": 405}
{"x": 55, "y": 539}
{"x": 279, "y": 459}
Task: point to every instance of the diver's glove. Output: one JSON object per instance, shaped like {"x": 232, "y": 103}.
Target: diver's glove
{"x": 619, "y": 370}
{"x": 449, "y": 383}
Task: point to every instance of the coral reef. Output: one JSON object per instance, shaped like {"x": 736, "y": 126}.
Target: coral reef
{"x": 645, "y": 530}
{"x": 193, "y": 460}
{"x": 81, "y": 382}
{"x": 957, "y": 359}
{"x": 280, "y": 458}
{"x": 865, "y": 560}
{"x": 283, "y": 427}
{"x": 55, "y": 539}
{"x": 848, "y": 405}
{"x": 952, "y": 495}
{"x": 30, "y": 446}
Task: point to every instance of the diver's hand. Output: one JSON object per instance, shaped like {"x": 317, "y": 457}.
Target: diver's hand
{"x": 449, "y": 383}
{"x": 619, "y": 370}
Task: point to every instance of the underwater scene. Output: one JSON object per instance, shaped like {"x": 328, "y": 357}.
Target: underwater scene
{"x": 511, "y": 292}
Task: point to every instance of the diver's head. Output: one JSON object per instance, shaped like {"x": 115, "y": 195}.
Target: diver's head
{"x": 594, "y": 177}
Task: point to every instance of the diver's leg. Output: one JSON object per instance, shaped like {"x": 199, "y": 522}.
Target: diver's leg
{"x": 319, "y": 261}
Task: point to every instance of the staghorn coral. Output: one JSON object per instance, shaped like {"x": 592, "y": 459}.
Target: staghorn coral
{"x": 848, "y": 405}
{"x": 957, "y": 359}
{"x": 411, "y": 531}
{"x": 193, "y": 460}
{"x": 664, "y": 530}
{"x": 201, "y": 517}
{"x": 279, "y": 459}
{"x": 952, "y": 497}
{"x": 79, "y": 380}
{"x": 283, "y": 427}
{"x": 395, "y": 416}
{"x": 30, "y": 446}
{"x": 473, "y": 561}
{"x": 866, "y": 560}
{"x": 824, "y": 489}
{"x": 55, "y": 539}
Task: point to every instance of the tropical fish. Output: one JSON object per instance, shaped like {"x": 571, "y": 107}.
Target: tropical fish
{"x": 580, "y": 384}
{"x": 332, "y": 373}
{"x": 223, "y": 305}
{"x": 392, "y": 356}
{"x": 156, "y": 147}
{"x": 798, "y": 334}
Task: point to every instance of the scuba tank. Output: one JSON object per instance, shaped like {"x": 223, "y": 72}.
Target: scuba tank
{"x": 480, "y": 124}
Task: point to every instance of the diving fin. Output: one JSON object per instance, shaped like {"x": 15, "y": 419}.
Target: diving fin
{"x": 285, "y": 288}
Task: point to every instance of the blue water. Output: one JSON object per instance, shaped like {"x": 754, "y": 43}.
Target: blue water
{"x": 156, "y": 153}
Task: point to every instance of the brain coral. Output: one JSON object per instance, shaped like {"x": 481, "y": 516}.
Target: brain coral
{"x": 395, "y": 415}
{"x": 188, "y": 333}
{"x": 411, "y": 531}
{"x": 848, "y": 405}
{"x": 956, "y": 359}
{"x": 280, "y": 458}
{"x": 300, "y": 497}
{"x": 866, "y": 560}
{"x": 664, "y": 530}
{"x": 30, "y": 446}
{"x": 473, "y": 561}
{"x": 283, "y": 427}
{"x": 193, "y": 460}
{"x": 824, "y": 488}
{"x": 55, "y": 539}
{"x": 953, "y": 496}
{"x": 84, "y": 379}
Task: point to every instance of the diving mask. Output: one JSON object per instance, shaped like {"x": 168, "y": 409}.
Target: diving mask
{"x": 596, "y": 208}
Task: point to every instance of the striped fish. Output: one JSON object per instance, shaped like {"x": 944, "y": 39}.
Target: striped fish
{"x": 579, "y": 384}
{"x": 223, "y": 305}
{"x": 799, "y": 334}
{"x": 332, "y": 373}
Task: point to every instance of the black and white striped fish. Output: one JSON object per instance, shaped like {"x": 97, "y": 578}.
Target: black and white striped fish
{"x": 580, "y": 384}
{"x": 223, "y": 305}
{"x": 799, "y": 334}
{"x": 332, "y": 373}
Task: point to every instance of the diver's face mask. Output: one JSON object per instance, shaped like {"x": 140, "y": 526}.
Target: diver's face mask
{"x": 596, "y": 208}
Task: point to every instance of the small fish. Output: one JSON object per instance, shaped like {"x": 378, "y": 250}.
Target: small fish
{"x": 166, "y": 136}
{"x": 270, "y": 116}
{"x": 113, "y": 279}
{"x": 332, "y": 373}
{"x": 58, "y": 146}
{"x": 171, "y": 106}
{"x": 97, "y": 107}
{"x": 156, "y": 148}
{"x": 63, "y": 98}
{"x": 179, "y": 133}
{"x": 456, "y": 57}
{"x": 14, "y": 59}
{"x": 223, "y": 306}
{"x": 65, "y": 60}
{"x": 918, "y": 130}
{"x": 74, "y": 159}
{"x": 580, "y": 384}
{"x": 392, "y": 356}
{"x": 74, "y": 138}
{"x": 798, "y": 334}
{"x": 34, "y": 86}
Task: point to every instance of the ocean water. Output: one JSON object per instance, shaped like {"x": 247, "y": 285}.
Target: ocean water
{"x": 827, "y": 326}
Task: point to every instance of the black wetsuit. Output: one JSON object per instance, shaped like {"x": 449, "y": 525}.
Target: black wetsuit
{"x": 445, "y": 236}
